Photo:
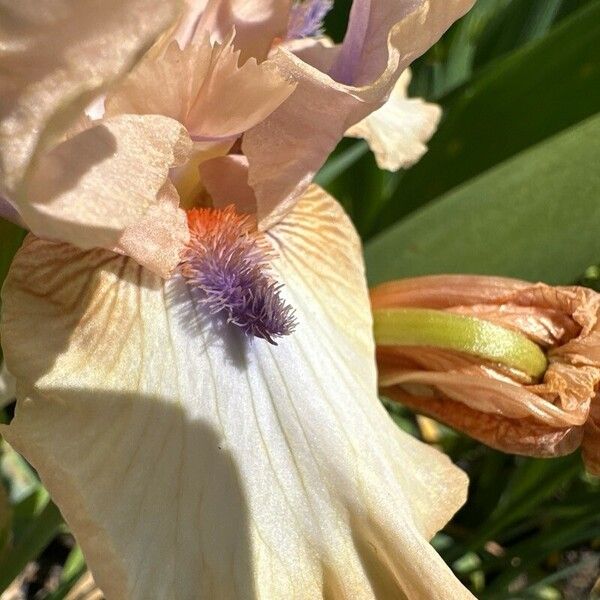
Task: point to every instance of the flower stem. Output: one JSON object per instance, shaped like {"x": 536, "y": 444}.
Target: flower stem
{"x": 440, "y": 329}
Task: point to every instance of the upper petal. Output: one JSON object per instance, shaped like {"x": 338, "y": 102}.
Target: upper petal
{"x": 397, "y": 132}
{"x": 384, "y": 33}
{"x": 257, "y": 24}
{"x": 384, "y": 37}
{"x": 203, "y": 87}
{"x": 104, "y": 185}
{"x": 55, "y": 55}
{"x": 191, "y": 461}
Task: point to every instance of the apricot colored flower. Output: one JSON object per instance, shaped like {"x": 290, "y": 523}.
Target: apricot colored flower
{"x": 197, "y": 388}
{"x": 537, "y": 412}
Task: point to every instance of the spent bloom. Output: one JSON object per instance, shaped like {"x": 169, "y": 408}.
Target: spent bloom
{"x": 528, "y": 385}
{"x": 174, "y": 234}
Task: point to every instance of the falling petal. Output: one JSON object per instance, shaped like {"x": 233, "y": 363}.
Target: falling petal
{"x": 191, "y": 461}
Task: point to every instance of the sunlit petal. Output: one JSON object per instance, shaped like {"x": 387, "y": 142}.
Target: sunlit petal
{"x": 287, "y": 149}
{"x": 192, "y": 461}
{"x": 55, "y": 55}
{"x": 104, "y": 184}
{"x": 257, "y": 24}
{"x": 204, "y": 88}
{"x": 398, "y": 131}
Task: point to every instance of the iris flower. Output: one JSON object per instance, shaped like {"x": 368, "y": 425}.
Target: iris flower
{"x": 532, "y": 390}
{"x": 197, "y": 388}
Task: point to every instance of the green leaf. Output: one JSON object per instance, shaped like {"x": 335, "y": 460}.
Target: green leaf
{"x": 338, "y": 164}
{"x": 536, "y": 216}
{"x": 522, "y": 22}
{"x": 514, "y": 103}
{"x": 41, "y": 526}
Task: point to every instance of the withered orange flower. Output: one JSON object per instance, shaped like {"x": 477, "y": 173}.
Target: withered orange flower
{"x": 498, "y": 404}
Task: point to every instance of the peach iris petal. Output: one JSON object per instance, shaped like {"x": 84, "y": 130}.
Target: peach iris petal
{"x": 286, "y": 150}
{"x": 555, "y": 411}
{"x": 63, "y": 52}
{"x": 204, "y": 87}
{"x": 171, "y": 443}
{"x": 98, "y": 187}
{"x": 226, "y": 180}
{"x": 101, "y": 185}
{"x": 257, "y": 24}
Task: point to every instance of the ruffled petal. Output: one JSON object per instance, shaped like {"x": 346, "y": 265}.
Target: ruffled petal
{"x": 203, "y": 87}
{"x": 287, "y": 149}
{"x": 398, "y": 131}
{"x": 103, "y": 187}
{"x": 191, "y": 461}
{"x": 257, "y": 23}
{"x": 55, "y": 56}
{"x": 383, "y": 34}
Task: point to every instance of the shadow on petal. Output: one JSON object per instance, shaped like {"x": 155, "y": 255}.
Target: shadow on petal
{"x": 142, "y": 485}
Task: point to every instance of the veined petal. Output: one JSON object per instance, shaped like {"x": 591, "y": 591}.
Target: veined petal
{"x": 398, "y": 131}
{"x": 55, "y": 55}
{"x": 203, "y": 87}
{"x": 192, "y": 461}
{"x": 288, "y": 148}
{"x": 103, "y": 186}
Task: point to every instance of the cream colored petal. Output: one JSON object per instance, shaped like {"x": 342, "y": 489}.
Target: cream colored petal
{"x": 102, "y": 187}
{"x": 235, "y": 98}
{"x": 7, "y": 386}
{"x": 203, "y": 87}
{"x": 55, "y": 55}
{"x": 193, "y": 462}
{"x": 288, "y": 148}
{"x": 398, "y": 131}
{"x": 258, "y": 23}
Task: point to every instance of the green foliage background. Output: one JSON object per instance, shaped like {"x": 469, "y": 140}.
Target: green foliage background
{"x": 510, "y": 186}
